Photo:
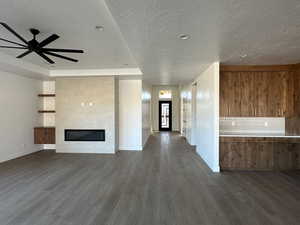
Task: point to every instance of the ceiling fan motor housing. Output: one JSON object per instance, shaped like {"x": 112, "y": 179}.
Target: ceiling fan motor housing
{"x": 34, "y": 31}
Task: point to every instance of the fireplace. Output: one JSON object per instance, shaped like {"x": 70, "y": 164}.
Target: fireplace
{"x": 84, "y": 135}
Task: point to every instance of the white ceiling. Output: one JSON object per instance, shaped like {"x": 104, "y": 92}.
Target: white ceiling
{"x": 74, "y": 21}
{"x": 267, "y": 31}
{"x": 262, "y": 31}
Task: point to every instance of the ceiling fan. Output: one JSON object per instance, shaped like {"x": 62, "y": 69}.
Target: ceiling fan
{"x": 38, "y": 47}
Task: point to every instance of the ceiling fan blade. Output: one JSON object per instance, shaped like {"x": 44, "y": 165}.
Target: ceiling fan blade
{"x": 1, "y": 46}
{"x": 62, "y": 50}
{"x": 2, "y": 39}
{"x": 45, "y": 57}
{"x": 14, "y": 32}
{"x": 61, "y": 56}
{"x": 48, "y": 40}
{"x": 24, "y": 54}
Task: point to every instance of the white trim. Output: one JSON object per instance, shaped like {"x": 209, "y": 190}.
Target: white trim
{"x": 21, "y": 67}
{"x": 144, "y": 144}
{"x": 216, "y": 166}
{"x": 85, "y": 151}
{"x": 96, "y": 72}
{"x": 216, "y": 169}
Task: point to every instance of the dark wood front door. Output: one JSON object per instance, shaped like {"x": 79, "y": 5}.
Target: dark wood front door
{"x": 165, "y": 116}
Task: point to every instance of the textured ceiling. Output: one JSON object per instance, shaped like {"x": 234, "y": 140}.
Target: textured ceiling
{"x": 232, "y": 31}
{"x": 74, "y": 21}
{"x": 144, "y": 33}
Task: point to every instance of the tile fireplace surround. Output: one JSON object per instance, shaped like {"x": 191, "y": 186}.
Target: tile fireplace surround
{"x": 86, "y": 103}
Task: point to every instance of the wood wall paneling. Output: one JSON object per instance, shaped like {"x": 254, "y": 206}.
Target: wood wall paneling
{"x": 247, "y": 94}
{"x": 259, "y": 154}
{"x": 290, "y": 95}
{"x": 224, "y": 85}
{"x": 297, "y": 93}
{"x": 255, "y": 68}
{"x": 259, "y": 94}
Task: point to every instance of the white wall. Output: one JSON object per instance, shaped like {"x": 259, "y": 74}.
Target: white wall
{"x": 146, "y": 112}
{"x": 18, "y": 115}
{"x": 72, "y": 114}
{"x": 186, "y": 112}
{"x": 207, "y": 107}
{"x": 130, "y": 115}
{"x": 175, "y": 106}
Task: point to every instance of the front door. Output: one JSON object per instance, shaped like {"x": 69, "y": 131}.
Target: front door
{"x": 165, "y": 116}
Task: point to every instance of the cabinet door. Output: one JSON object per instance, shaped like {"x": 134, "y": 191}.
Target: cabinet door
{"x": 39, "y": 137}
{"x": 44, "y": 135}
{"x": 277, "y": 94}
{"x": 296, "y": 77}
{"x": 50, "y": 134}
{"x": 235, "y": 94}
{"x": 262, "y": 83}
{"x": 230, "y": 104}
{"x": 224, "y": 84}
{"x": 286, "y": 156}
{"x": 291, "y": 94}
{"x": 248, "y": 94}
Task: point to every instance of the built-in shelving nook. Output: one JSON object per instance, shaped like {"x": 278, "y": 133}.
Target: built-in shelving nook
{"x": 45, "y": 134}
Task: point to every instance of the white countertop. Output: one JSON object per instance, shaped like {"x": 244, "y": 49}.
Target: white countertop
{"x": 271, "y": 135}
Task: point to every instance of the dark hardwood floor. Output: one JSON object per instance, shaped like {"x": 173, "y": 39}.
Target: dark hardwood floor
{"x": 166, "y": 184}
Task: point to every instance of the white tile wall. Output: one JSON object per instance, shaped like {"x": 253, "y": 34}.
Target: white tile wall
{"x": 252, "y": 125}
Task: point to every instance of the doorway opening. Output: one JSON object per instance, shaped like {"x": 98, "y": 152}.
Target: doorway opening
{"x": 165, "y": 115}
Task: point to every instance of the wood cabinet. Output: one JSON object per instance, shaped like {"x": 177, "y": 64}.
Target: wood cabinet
{"x": 44, "y": 135}
{"x": 241, "y": 153}
{"x": 255, "y": 94}
{"x": 296, "y": 93}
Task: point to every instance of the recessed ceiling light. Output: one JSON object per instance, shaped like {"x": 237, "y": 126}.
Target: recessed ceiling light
{"x": 184, "y": 36}
{"x": 100, "y": 28}
{"x": 244, "y": 56}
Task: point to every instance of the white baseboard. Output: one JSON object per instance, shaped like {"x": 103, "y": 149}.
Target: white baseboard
{"x": 48, "y": 146}
{"x": 215, "y": 168}
{"x": 155, "y": 131}
{"x": 146, "y": 141}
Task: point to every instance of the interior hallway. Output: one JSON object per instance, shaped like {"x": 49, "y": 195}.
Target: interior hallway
{"x": 166, "y": 184}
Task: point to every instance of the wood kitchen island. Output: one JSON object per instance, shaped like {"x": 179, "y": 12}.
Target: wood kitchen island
{"x": 259, "y": 152}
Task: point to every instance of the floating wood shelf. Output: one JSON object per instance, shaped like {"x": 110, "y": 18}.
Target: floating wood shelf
{"x": 46, "y": 111}
{"x": 46, "y": 95}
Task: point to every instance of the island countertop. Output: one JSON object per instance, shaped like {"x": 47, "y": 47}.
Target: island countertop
{"x": 259, "y": 135}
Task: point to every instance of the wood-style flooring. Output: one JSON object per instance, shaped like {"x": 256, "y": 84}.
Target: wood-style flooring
{"x": 166, "y": 184}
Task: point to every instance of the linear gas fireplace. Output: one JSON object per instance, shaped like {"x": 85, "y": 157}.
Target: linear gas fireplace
{"x": 84, "y": 135}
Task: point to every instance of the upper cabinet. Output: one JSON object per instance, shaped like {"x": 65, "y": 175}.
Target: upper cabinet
{"x": 258, "y": 93}
{"x": 296, "y": 92}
